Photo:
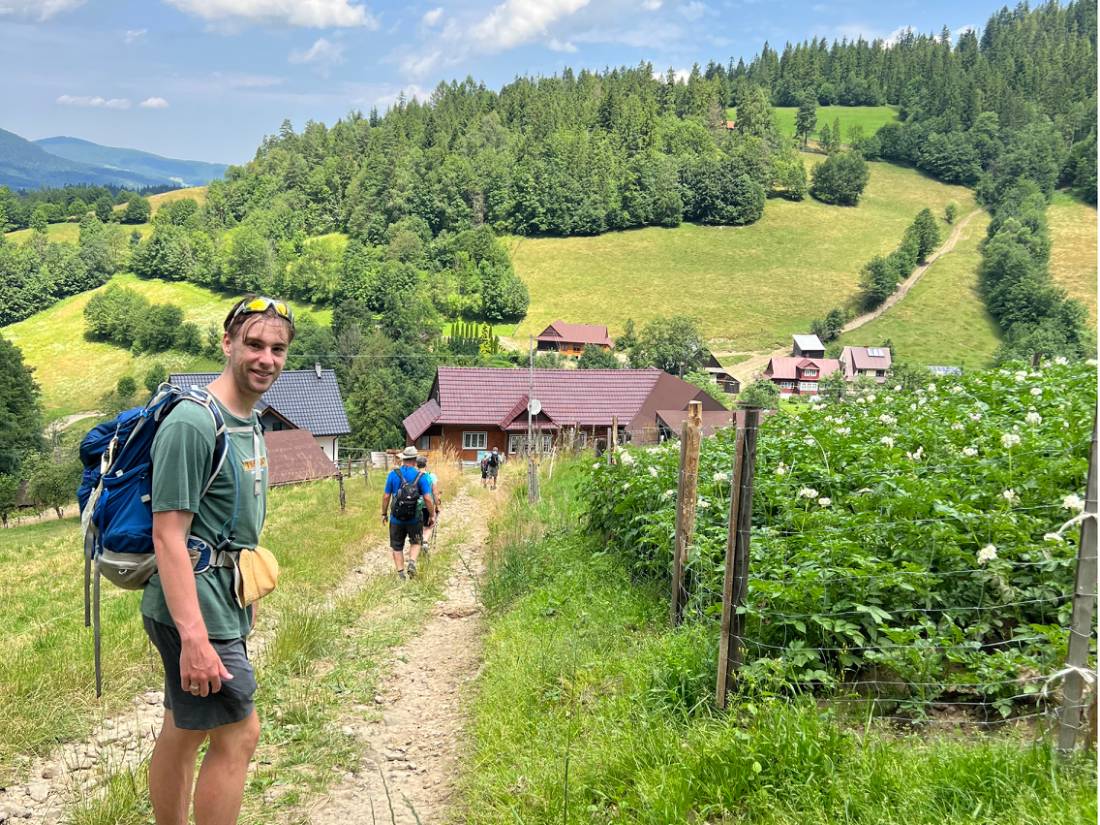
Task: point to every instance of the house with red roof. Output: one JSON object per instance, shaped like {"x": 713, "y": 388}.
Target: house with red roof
{"x": 473, "y": 409}
{"x": 799, "y": 375}
{"x": 873, "y": 362}
{"x": 571, "y": 339}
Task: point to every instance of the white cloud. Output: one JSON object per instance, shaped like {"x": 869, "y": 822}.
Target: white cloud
{"x": 324, "y": 54}
{"x": 430, "y": 18}
{"x": 419, "y": 65}
{"x": 95, "y": 102}
{"x": 681, "y": 75}
{"x": 37, "y": 9}
{"x": 134, "y": 34}
{"x": 694, "y": 10}
{"x": 515, "y": 22}
{"x": 388, "y": 99}
{"x": 651, "y": 5}
{"x": 154, "y": 103}
{"x": 561, "y": 46}
{"x": 308, "y": 13}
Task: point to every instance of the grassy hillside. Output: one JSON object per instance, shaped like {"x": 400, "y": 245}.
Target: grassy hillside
{"x": 869, "y": 117}
{"x": 196, "y": 193}
{"x": 70, "y": 232}
{"x": 75, "y": 373}
{"x": 751, "y": 287}
{"x": 943, "y": 319}
{"x": 1073, "y": 253}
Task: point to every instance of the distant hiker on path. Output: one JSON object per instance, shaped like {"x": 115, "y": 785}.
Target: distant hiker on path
{"x": 484, "y": 464}
{"x": 494, "y": 460}
{"x": 197, "y": 621}
{"x": 405, "y": 487}
{"x": 437, "y": 497}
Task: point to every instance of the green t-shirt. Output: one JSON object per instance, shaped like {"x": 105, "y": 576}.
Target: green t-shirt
{"x": 182, "y": 453}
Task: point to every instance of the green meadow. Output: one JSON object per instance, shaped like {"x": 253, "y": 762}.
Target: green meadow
{"x": 751, "y": 287}
{"x": 75, "y": 373}
{"x": 870, "y": 118}
{"x": 70, "y": 232}
{"x": 942, "y": 320}
{"x": 1073, "y": 250}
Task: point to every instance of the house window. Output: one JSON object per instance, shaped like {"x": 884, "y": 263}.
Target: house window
{"x": 810, "y": 373}
{"x": 880, "y": 373}
{"x": 582, "y": 438}
{"x": 786, "y": 385}
{"x": 475, "y": 440}
{"x": 547, "y": 442}
{"x": 515, "y": 444}
{"x": 807, "y": 386}
{"x": 423, "y": 443}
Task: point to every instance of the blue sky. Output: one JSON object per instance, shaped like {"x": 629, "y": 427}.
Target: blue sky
{"x": 207, "y": 79}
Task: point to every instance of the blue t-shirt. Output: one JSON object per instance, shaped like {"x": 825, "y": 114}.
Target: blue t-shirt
{"x": 393, "y": 484}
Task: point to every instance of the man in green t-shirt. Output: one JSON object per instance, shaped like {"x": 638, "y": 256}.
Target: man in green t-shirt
{"x": 194, "y": 619}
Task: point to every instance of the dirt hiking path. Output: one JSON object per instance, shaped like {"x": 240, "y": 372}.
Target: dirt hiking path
{"x": 407, "y": 774}
{"x": 747, "y": 370}
{"x": 415, "y": 743}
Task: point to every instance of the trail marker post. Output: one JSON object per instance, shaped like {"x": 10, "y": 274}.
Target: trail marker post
{"x": 687, "y": 488}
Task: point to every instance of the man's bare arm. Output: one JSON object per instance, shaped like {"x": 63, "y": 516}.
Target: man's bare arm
{"x": 199, "y": 663}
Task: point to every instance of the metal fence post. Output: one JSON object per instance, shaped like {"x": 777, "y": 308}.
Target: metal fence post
{"x": 1084, "y": 597}
{"x": 685, "y": 506}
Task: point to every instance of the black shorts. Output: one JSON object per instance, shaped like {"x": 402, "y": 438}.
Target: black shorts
{"x": 493, "y": 470}
{"x": 399, "y": 532}
{"x": 230, "y": 704}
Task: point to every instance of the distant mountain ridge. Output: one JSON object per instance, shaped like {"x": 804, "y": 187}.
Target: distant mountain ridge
{"x": 61, "y": 161}
{"x": 174, "y": 170}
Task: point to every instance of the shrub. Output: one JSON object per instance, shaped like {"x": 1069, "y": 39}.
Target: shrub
{"x": 840, "y": 178}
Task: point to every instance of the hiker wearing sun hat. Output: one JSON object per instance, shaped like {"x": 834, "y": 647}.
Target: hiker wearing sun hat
{"x": 405, "y": 488}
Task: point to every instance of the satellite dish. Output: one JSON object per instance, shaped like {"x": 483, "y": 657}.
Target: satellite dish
{"x": 534, "y": 406}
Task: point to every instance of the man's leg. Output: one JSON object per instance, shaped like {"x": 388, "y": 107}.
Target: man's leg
{"x": 172, "y": 771}
{"x": 397, "y": 546}
{"x": 398, "y": 560}
{"x": 221, "y": 779}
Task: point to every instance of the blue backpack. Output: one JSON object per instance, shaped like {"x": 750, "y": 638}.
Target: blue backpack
{"x": 115, "y": 496}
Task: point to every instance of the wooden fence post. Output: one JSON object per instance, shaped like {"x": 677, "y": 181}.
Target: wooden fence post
{"x": 343, "y": 494}
{"x": 735, "y": 584}
{"x": 685, "y": 506}
{"x": 1084, "y": 597}
{"x": 613, "y": 437}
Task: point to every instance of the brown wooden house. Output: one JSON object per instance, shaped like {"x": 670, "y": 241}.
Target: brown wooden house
{"x": 571, "y": 339}
{"x": 471, "y": 410}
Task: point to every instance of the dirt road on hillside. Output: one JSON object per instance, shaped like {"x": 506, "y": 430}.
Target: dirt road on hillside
{"x": 409, "y": 770}
{"x": 747, "y": 370}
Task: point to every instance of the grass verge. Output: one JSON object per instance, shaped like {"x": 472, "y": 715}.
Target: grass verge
{"x": 590, "y": 709}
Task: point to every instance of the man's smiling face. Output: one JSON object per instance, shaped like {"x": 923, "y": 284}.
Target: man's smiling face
{"x": 256, "y": 353}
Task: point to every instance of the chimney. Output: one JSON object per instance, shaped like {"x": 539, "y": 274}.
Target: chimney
{"x": 317, "y": 370}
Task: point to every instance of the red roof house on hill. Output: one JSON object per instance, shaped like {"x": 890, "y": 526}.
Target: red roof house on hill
{"x": 473, "y": 409}
{"x": 795, "y": 375}
{"x": 571, "y": 339}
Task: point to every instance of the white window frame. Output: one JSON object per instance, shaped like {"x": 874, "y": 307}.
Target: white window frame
{"x": 547, "y": 442}
{"x": 807, "y": 386}
{"x": 515, "y": 444}
{"x": 475, "y": 439}
{"x": 810, "y": 373}
{"x": 786, "y": 385}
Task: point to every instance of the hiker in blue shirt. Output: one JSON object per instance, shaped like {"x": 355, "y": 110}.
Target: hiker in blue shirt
{"x": 437, "y": 497}
{"x": 406, "y": 486}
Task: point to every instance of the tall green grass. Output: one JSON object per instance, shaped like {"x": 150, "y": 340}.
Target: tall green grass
{"x": 869, "y": 118}
{"x": 590, "y": 709}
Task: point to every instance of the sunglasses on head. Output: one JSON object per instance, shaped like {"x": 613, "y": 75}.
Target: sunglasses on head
{"x": 262, "y": 304}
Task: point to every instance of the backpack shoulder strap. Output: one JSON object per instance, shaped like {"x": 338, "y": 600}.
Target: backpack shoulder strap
{"x": 204, "y": 399}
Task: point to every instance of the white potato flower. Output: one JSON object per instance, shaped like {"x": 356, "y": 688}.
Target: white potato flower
{"x": 1010, "y": 440}
{"x": 970, "y": 452}
{"x": 987, "y": 554}
{"x": 824, "y": 501}
{"x": 808, "y": 492}
{"x": 1073, "y": 502}
{"x": 887, "y": 440}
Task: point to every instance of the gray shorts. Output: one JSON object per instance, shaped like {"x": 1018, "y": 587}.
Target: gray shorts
{"x": 231, "y": 704}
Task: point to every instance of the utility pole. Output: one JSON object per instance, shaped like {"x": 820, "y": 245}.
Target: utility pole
{"x": 532, "y": 467}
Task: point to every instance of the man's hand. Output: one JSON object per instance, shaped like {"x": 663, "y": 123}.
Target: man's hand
{"x": 385, "y": 518}
{"x": 201, "y": 669}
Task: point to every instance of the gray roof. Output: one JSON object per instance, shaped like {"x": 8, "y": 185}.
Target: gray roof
{"x": 308, "y": 402}
{"x": 808, "y": 342}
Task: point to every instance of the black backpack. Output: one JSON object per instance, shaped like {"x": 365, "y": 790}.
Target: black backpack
{"x": 407, "y": 498}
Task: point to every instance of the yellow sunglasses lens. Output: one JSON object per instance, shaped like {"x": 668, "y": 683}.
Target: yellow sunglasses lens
{"x": 261, "y": 304}
{"x": 257, "y": 305}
